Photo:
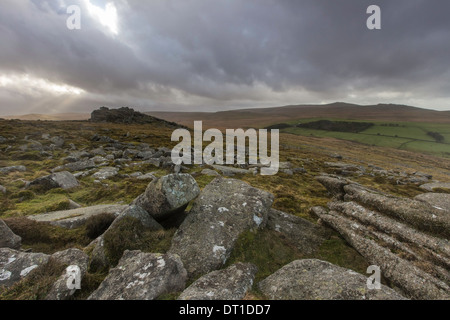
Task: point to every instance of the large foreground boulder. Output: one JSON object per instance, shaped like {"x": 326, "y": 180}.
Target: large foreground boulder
{"x": 231, "y": 283}
{"x": 168, "y": 195}
{"x": 142, "y": 276}
{"x": 64, "y": 180}
{"x": 224, "y": 209}
{"x": 15, "y": 265}
{"x": 313, "y": 279}
{"x": 8, "y": 239}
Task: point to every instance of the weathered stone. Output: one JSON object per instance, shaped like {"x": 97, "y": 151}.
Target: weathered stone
{"x": 64, "y": 180}
{"x": 6, "y": 170}
{"x": 230, "y": 171}
{"x": 334, "y": 185}
{"x": 210, "y": 172}
{"x": 77, "y": 217}
{"x": 435, "y": 185}
{"x": 168, "y": 195}
{"x": 105, "y": 173}
{"x": 440, "y": 201}
{"x": 417, "y": 213}
{"x": 140, "y": 214}
{"x": 2, "y": 189}
{"x": 16, "y": 265}
{"x": 312, "y": 279}
{"x": 69, "y": 257}
{"x": 77, "y": 166}
{"x": 57, "y": 141}
{"x": 414, "y": 282}
{"x": 7, "y": 238}
{"x": 224, "y": 209}
{"x": 147, "y": 176}
{"x": 142, "y": 276}
{"x": 305, "y": 235}
{"x": 231, "y": 283}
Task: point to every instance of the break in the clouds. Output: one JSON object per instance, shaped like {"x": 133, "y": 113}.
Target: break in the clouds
{"x": 213, "y": 55}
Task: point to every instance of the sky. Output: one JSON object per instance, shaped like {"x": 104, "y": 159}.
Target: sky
{"x": 211, "y": 55}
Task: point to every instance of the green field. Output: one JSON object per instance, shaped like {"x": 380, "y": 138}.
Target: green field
{"x": 410, "y": 136}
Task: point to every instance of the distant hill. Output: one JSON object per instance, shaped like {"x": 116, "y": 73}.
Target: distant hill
{"x": 263, "y": 117}
{"x": 51, "y": 117}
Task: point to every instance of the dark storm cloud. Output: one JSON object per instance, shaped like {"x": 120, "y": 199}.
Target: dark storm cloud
{"x": 205, "y": 55}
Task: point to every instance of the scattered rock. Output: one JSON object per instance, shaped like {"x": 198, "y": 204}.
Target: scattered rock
{"x": 231, "y": 283}
{"x": 168, "y": 195}
{"x": 7, "y": 238}
{"x": 142, "y": 276}
{"x": 16, "y": 265}
{"x": 105, "y": 173}
{"x": 2, "y": 189}
{"x": 224, "y": 209}
{"x": 305, "y": 235}
{"x": 312, "y": 279}
{"x": 210, "y": 172}
{"x": 140, "y": 214}
{"x": 77, "y": 166}
{"x": 230, "y": 171}
{"x": 57, "y": 141}
{"x": 64, "y": 180}
{"x": 75, "y": 218}
{"x": 147, "y": 176}
{"x": 7, "y": 170}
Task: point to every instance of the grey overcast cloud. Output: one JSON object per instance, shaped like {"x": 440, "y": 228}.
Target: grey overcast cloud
{"x": 204, "y": 55}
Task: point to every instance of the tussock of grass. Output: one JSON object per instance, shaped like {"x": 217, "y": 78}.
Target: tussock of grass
{"x": 98, "y": 224}
{"x": 45, "y": 238}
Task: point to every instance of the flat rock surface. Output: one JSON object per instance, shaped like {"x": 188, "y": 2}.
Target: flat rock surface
{"x": 77, "y": 217}
{"x": 312, "y": 279}
{"x": 440, "y": 201}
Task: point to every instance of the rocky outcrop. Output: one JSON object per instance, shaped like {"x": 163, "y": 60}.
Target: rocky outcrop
{"x": 77, "y": 217}
{"x": 64, "y": 180}
{"x": 129, "y": 116}
{"x": 16, "y": 265}
{"x": 305, "y": 235}
{"x": 7, "y": 238}
{"x": 168, "y": 195}
{"x": 224, "y": 209}
{"x": 313, "y": 279}
{"x": 142, "y": 276}
{"x": 231, "y": 283}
